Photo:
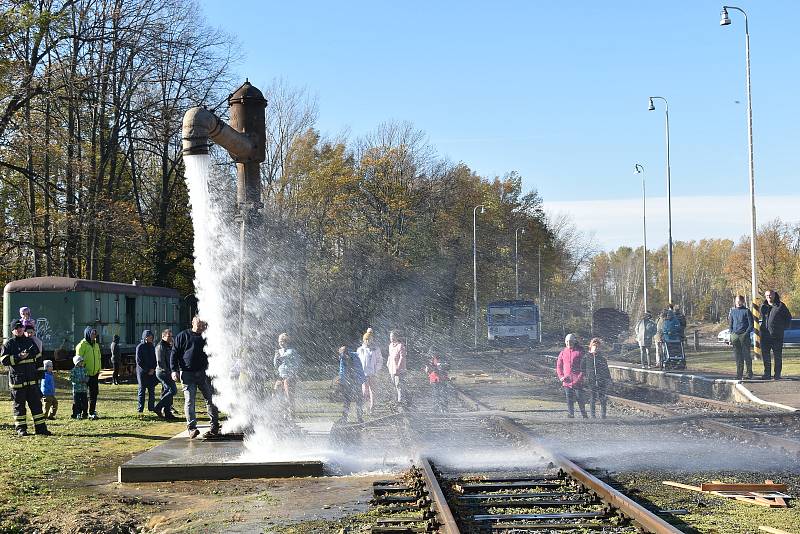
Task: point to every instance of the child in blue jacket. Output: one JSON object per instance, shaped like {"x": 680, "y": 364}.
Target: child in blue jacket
{"x": 48, "y": 387}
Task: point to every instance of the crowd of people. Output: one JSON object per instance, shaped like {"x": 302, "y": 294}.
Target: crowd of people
{"x": 182, "y": 359}
{"x": 584, "y": 375}
{"x": 775, "y": 318}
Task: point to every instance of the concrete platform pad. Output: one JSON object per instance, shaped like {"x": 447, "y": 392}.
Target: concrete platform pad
{"x": 180, "y": 458}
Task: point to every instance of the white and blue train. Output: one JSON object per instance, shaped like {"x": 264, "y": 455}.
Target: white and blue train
{"x": 513, "y": 322}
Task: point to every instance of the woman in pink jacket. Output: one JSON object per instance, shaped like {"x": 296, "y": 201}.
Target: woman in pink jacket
{"x": 397, "y": 364}
{"x": 568, "y": 368}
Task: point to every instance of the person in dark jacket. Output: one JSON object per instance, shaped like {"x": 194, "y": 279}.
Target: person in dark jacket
{"x": 116, "y": 360}
{"x": 740, "y": 325}
{"x": 163, "y": 374}
{"x": 596, "y": 377}
{"x": 775, "y": 318}
{"x": 146, "y": 371}
{"x": 189, "y": 363}
{"x": 351, "y": 377}
{"x": 25, "y": 369}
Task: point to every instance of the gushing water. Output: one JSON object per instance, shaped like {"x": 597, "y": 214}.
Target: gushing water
{"x": 240, "y": 359}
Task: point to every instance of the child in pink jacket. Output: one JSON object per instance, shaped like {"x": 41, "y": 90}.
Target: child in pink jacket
{"x": 568, "y": 368}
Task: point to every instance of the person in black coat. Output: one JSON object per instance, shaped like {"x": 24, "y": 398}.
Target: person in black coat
{"x": 146, "y": 371}
{"x": 596, "y": 377}
{"x": 775, "y": 318}
{"x": 189, "y": 364}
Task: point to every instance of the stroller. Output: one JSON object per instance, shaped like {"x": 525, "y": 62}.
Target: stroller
{"x": 672, "y": 354}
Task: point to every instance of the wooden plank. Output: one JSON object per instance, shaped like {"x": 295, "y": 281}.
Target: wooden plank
{"x": 683, "y": 486}
{"x": 756, "y": 500}
{"x": 773, "y": 530}
{"x": 716, "y": 486}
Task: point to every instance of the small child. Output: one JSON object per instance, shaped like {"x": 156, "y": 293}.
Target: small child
{"x": 48, "y": 387}
{"x": 80, "y": 399}
{"x": 436, "y": 370}
{"x": 25, "y": 317}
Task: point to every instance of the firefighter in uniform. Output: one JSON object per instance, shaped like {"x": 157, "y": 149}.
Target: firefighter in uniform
{"x": 26, "y": 367}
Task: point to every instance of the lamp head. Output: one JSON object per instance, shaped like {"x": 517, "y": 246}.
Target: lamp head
{"x": 724, "y": 20}
{"x": 637, "y": 169}
{"x": 483, "y": 210}
{"x": 651, "y": 106}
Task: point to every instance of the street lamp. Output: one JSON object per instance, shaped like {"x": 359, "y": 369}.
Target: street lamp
{"x": 725, "y": 21}
{"x": 638, "y": 169}
{"x": 516, "y": 258}
{"x": 475, "y": 268}
{"x": 652, "y": 107}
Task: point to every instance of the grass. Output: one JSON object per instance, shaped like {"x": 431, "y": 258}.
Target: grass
{"x": 724, "y": 362}
{"x": 40, "y": 474}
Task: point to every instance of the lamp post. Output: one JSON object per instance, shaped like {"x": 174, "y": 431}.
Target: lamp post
{"x": 725, "y": 21}
{"x": 638, "y": 169}
{"x": 475, "y": 268}
{"x": 540, "y": 293}
{"x": 652, "y": 107}
{"x": 516, "y": 259}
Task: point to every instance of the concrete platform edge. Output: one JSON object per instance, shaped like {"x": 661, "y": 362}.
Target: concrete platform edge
{"x": 223, "y": 471}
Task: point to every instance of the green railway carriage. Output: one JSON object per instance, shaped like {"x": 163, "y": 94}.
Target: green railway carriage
{"x": 64, "y": 307}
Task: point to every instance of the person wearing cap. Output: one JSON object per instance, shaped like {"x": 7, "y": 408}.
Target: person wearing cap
{"x": 146, "y": 371}
{"x": 79, "y": 379}
{"x": 568, "y": 369}
{"x": 26, "y": 367}
{"x": 89, "y": 350}
{"x": 48, "y": 389}
{"x": 189, "y": 363}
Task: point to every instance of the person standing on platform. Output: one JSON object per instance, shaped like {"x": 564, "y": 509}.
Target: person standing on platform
{"x": 568, "y": 369}
{"x": 189, "y": 363}
{"x": 740, "y": 326}
{"x": 89, "y": 350}
{"x": 645, "y": 330}
{"x": 775, "y": 318}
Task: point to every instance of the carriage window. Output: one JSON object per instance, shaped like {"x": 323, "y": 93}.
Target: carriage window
{"x": 155, "y": 311}
{"x": 165, "y": 312}
{"x": 116, "y": 309}
{"x": 97, "y": 309}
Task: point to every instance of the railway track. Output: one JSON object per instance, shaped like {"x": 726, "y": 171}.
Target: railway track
{"x": 546, "y": 493}
{"x": 779, "y": 431}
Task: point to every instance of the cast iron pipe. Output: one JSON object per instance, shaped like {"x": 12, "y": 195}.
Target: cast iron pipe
{"x": 200, "y": 126}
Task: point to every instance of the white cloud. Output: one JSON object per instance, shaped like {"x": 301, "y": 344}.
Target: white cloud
{"x": 619, "y": 222}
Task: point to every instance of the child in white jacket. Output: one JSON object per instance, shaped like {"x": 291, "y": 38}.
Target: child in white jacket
{"x": 372, "y": 361}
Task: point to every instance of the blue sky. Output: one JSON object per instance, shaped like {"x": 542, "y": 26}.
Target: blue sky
{"x": 555, "y": 91}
